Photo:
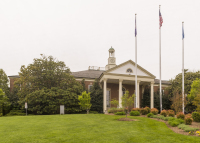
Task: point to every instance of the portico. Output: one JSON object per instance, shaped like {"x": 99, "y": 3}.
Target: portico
{"x": 122, "y": 76}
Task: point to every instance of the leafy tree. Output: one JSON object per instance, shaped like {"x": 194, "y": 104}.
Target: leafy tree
{"x": 114, "y": 102}
{"x": 195, "y": 89}
{"x": 197, "y": 101}
{"x": 177, "y": 102}
{"x": 85, "y": 101}
{"x": 96, "y": 94}
{"x": 4, "y": 82}
{"x": 48, "y": 101}
{"x": 45, "y": 73}
{"x": 176, "y": 86}
{"x": 194, "y": 95}
{"x": 127, "y": 101}
{"x": 4, "y": 103}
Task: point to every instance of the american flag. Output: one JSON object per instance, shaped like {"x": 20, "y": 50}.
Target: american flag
{"x": 160, "y": 19}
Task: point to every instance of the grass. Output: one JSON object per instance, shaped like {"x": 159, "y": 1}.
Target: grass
{"x": 94, "y": 128}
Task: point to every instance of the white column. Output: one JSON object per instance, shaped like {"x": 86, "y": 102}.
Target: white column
{"x": 152, "y": 95}
{"x": 138, "y": 94}
{"x": 120, "y": 93}
{"x": 104, "y": 95}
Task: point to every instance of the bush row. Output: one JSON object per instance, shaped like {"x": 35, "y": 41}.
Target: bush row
{"x": 115, "y": 110}
{"x": 167, "y": 113}
{"x": 146, "y": 110}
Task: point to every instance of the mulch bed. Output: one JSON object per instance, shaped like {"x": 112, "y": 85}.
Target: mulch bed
{"x": 174, "y": 129}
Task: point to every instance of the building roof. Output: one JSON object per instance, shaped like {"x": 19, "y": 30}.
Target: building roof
{"x": 157, "y": 81}
{"x": 96, "y": 74}
{"x": 88, "y": 74}
{"x": 14, "y": 76}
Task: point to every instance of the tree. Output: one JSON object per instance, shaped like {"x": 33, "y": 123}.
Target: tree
{"x": 176, "y": 86}
{"x": 85, "y": 101}
{"x": 177, "y": 102}
{"x": 4, "y": 103}
{"x": 166, "y": 102}
{"x": 96, "y": 94}
{"x": 127, "y": 101}
{"x": 83, "y": 84}
{"x": 194, "y": 95}
{"x": 45, "y": 73}
{"x": 48, "y": 101}
{"x": 114, "y": 102}
{"x": 195, "y": 89}
{"x": 4, "y": 82}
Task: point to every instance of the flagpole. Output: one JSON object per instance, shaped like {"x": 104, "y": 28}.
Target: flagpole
{"x": 183, "y": 64}
{"x": 136, "y": 98}
{"x": 160, "y": 62}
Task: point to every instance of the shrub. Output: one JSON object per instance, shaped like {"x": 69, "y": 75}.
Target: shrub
{"x": 174, "y": 121}
{"x": 144, "y": 111}
{"x": 164, "y": 113}
{"x": 161, "y": 117}
{"x": 1, "y": 114}
{"x": 120, "y": 113}
{"x": 154, "y": 111}
{"x": 150, "y": 115}
{"x": 16, "y": 113}
{"x": 180, "y": 115}
{"x": 115, "y": 110}
{"x": 189, "y": 129}
{"x": 186, "y": 128}
{"x": 136, "y": 109}
{"x": 196, "y": 116}
{"x": 167, "y": 118}
{"x": 148, "y": 109}
{"x": 188, "y": 119}
{"x": 94, "y": 112}
{"x": 134, "y": 113}
{"x": 171, "y": 113}
{"x": 155, "y": 116}
{"x": 182, "y": 126}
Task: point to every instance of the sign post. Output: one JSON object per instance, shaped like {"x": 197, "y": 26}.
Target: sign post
{"x": 62, "y": 109}
{"x": 26, "y": 106}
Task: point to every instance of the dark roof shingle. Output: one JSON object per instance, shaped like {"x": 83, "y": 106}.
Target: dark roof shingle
{"x": 88, "y": 74}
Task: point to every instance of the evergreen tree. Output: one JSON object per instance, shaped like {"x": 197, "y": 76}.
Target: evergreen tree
{"x": 96, "y": 94}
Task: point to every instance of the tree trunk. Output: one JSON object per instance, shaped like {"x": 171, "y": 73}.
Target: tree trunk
{"x": 87, "y": 111}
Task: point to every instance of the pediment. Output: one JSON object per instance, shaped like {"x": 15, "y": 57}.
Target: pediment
{"x": 122, "y": 69}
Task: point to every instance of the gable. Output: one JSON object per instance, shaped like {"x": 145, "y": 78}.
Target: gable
{"x": 122, "y": 69}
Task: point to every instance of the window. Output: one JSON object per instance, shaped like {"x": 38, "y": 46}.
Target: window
{"x": 123, "y": 91}
{"x": 89, "y": 87}
{"x": 129, "y": 70}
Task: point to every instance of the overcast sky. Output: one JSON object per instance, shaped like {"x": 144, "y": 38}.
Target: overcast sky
{"x": 80, "y": 33}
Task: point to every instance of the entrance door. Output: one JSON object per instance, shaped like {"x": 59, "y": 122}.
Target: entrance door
{"x": 108, "y": 98}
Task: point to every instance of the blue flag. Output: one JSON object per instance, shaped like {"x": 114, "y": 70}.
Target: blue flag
{"x": 183, "y": 35}
{"x": 135, "y": 28}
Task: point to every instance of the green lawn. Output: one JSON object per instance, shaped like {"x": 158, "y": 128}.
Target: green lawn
{"x": 83, "y": 128}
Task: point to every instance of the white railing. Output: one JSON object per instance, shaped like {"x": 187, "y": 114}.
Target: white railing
{"x": 96, "y": 68}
